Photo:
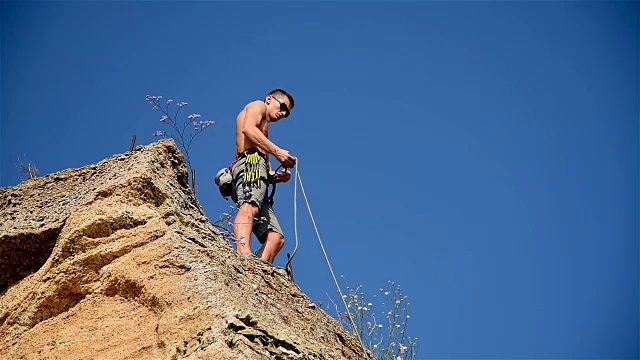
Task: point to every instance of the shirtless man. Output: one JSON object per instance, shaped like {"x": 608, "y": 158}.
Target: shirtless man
{"x": 250, "y": 170}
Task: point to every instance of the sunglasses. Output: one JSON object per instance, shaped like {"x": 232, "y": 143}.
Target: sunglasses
{"x": 283, "y": 106}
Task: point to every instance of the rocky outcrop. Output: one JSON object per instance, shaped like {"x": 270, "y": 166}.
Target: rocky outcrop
{"x": 118, "y": 261}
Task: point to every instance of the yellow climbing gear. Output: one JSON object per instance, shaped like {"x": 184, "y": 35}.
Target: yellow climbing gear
{"x": 252, "y": 169}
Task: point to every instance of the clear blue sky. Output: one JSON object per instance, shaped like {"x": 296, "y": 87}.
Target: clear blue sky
{"x": 484, "y": 155}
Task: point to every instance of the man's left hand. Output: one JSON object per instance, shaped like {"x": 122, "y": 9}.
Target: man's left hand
{"x": 283, "y": 176}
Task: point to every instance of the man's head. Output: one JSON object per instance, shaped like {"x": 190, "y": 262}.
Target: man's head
{"x": 279, "y": 104}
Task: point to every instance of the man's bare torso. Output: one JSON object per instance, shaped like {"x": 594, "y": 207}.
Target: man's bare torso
{"x": 242, "y": 142}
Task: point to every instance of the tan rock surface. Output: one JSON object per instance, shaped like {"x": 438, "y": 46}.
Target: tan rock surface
{"x": 117, "y": 261}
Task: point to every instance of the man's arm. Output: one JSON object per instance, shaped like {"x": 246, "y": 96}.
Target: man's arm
{"x": 282, "y": 176}
{"x": 255, "y": 112}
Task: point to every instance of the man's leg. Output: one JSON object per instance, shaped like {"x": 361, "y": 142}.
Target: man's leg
{"x": 250, "y": 196}
{"x": 270, "y": 233}
{"x": 273, "y": 243}
{"x": 242, "y": 227}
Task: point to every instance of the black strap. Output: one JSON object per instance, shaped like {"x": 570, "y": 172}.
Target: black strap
{"x": 272, "y": 180}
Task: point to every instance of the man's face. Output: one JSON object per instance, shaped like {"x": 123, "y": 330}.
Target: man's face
{"x": 280, "y": 106}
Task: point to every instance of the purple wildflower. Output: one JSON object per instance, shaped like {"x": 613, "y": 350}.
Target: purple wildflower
{"x": 169, "y": 101}
{"x": 156, "y": 107}
{"x": 159, "y": 133}
{"x": 163, "y": 118}
{"x": 193, "y": 117}
{"x": 181, "y": 104}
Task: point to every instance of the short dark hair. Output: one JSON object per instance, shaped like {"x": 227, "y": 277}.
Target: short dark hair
{"x": 280, "y": 92}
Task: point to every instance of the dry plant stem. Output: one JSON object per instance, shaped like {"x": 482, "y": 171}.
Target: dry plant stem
{"x": 183, "y": 142}
{"x": 28, "y": 169}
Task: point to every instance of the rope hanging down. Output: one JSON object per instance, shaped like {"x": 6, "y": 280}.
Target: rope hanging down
{"x": 295, "y": 227}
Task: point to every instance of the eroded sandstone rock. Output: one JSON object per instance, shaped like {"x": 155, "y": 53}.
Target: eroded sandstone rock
{"x": 117, "y": 261}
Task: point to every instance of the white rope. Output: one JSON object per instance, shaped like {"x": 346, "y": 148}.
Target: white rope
{"x": 295, "y": 222}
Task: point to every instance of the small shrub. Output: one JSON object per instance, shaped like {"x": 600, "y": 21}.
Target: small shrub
{"x": 384, "y": 335}
{"x": 181, "y": 137}
{"x": 225, "y": 224}
{"x": 27, "y": 169}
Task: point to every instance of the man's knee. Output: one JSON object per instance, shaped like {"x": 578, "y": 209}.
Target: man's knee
{"x": 250, "y": 208}
{"x": 276, "y": 239}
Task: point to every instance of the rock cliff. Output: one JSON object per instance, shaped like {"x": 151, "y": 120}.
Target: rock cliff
{"x": 118, "y": 261}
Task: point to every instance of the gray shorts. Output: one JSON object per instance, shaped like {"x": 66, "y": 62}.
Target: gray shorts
{"x": 256, "y": 193}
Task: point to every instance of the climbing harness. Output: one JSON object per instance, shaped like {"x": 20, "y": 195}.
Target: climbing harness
{"x": 251, "y": 174}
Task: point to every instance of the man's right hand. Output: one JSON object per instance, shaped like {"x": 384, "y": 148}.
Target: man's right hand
{"x": 285, "y": 158}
